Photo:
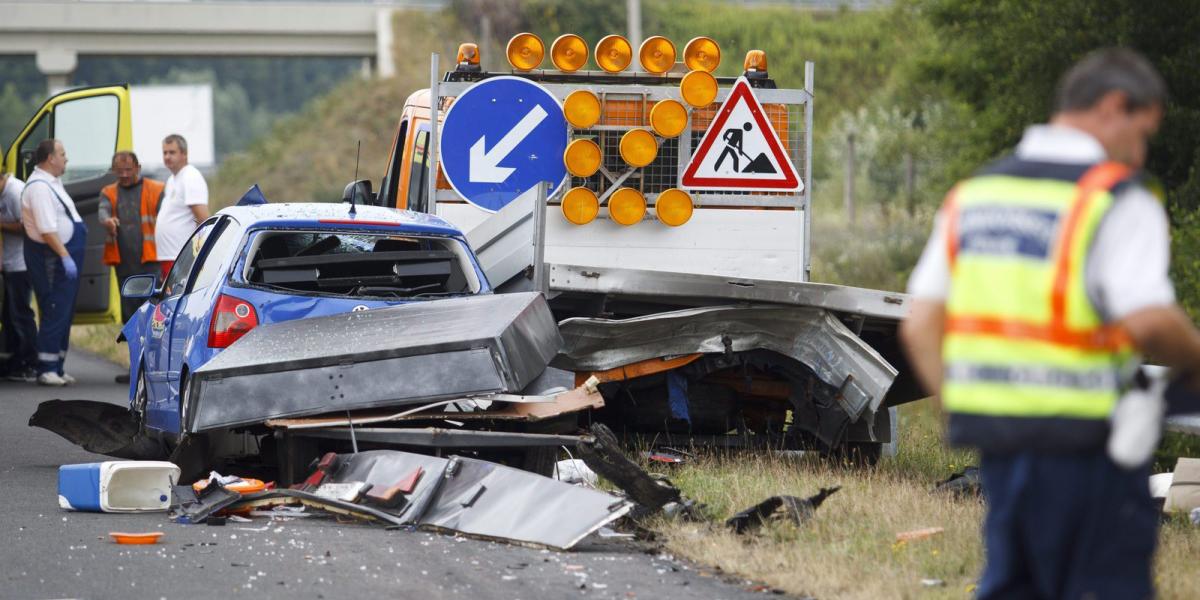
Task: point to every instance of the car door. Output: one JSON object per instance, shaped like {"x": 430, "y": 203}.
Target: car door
{"x": 92, "y": 124}
{"x": 167, "y": 339}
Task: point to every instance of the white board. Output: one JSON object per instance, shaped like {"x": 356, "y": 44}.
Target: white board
{"x": 160, "y": 110}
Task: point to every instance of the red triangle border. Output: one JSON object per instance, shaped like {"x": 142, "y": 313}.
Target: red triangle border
{"x": 791, "y": 179}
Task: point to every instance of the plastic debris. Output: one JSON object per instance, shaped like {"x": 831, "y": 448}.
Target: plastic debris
{"x": 933, "y": 583}
{"x": 963, "y": 484}
{"x": 575, "y": 471}
{"x": 136, "y": 538}
{"x": 796, "y": 510}
{"x": 919, "y": 534}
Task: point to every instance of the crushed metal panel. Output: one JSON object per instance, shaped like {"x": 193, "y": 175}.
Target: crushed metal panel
{"x": 400, "y": 355}
{"x": 811, "y": 336}
{"x": 486, "y": 500}
{"x": 715, "y": 289}
{"x": 503, "y": 243}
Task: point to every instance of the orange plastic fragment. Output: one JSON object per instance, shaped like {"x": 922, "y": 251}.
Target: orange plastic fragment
{"x": 245, "y": 486}
{"x": 918, "y": 534}
{"x": 136, "y": 538}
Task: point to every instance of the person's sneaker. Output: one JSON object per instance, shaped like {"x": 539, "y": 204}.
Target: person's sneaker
{"x": 25, "y": 375}
{"x": 68, "y": 379}
{"x": 51, "y": 379}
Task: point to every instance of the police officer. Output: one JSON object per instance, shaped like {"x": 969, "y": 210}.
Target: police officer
{"x": 1046, "y": 273}
{"x": 54, "y": 247}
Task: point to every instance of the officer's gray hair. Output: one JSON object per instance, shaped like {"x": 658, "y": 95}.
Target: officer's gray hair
{"x": 1109, "y": 70}
{"x": 178, "y": 140}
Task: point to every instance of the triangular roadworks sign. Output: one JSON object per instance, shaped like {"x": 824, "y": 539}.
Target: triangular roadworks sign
{"x": 741, "y": 151}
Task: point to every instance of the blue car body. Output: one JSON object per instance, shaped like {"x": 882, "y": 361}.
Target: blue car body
{"x": 168, "y": 337}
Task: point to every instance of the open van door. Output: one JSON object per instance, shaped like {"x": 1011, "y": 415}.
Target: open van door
{"x": 92, "y": 123}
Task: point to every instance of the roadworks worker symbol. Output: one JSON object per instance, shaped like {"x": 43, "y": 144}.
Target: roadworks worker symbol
{"x": 741, "y": 151}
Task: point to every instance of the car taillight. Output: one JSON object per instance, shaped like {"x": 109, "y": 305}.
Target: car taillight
{"x": 231, "y": 319}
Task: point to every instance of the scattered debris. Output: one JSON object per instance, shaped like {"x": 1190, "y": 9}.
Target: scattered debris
{"x": 797, "y": 510}
{"x": 136, "y": 538}
{"x": 963, "y": 484}
{"x": 188, "y": 506}
{"x": 575, "y": 471}
{"x": 605, "y": 457}
{"x": 117, "y": 486}
{"x": 919, "y": 534}
{"x": 1195, "y": 516}
{"x": 933, "y": 583}
{"x": 660, "y": 456}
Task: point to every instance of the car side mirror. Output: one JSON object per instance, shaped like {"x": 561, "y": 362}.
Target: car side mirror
{"x": 139, "y": 287}
{"x": 359, "y": 192}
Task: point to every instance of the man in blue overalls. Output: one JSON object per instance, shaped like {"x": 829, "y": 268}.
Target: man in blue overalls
{"x": 53, "y": 252}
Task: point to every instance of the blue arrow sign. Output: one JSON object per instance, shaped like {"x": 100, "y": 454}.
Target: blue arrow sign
{"x": 501, "y": 137}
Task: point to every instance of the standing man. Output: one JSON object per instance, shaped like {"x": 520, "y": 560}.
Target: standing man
{"x": 16, "y": 314}
{"x": 184, "y": 204}
{"x": 128, "y": 210}
{"x": 57, "y": 237}
{"x": 1046, "y": 273}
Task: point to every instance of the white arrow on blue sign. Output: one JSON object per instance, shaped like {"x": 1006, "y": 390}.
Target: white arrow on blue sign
{"x": 501, "y": 137}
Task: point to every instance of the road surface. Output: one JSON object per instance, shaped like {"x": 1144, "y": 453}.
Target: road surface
{"x": 51, "y": 553}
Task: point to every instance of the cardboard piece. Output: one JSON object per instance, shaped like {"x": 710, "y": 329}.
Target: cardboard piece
{"x": 1184, "y": 494}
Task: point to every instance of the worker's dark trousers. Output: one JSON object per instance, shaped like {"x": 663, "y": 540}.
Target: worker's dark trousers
{"x": 1068, "y": 526}
{"x": 125, "y": 271}
{"x": 20, "y": 327}
{"x": 55, "y": 297}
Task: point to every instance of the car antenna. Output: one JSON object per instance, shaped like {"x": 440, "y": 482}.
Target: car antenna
{"x": 357, "y": 155}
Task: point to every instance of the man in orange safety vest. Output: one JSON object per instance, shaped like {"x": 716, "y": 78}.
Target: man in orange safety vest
{"x": 128, "y": 210}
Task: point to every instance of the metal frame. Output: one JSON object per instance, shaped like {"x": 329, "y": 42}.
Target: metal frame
{"x": 654, "y": 93}
{"x": 437, "y": 437}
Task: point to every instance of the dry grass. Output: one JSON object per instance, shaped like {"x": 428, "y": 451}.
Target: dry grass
{"x": 101, "y": 340}
{"x": 849, "y": 549}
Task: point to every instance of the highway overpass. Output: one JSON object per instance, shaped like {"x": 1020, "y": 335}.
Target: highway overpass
{"x": 57, "y": 32}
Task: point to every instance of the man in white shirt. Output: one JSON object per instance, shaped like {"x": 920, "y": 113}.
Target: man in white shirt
{"x": 184, "y": 205}
{"x": 16, "y": 315}
{"x": 53, "y": 252}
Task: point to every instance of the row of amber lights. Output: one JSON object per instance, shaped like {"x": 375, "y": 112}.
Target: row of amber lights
{"x": 638, "y": 147}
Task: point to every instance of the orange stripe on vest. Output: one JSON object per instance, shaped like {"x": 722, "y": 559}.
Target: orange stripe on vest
{"x": 151, "y": 193}
{"x": 1099, "y": 178}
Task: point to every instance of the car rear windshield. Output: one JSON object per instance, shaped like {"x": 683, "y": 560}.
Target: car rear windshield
{"x": 360, "y": 264}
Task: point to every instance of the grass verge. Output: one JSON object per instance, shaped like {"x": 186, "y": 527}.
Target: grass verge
{"x": 101, "y": 340}
{"x": 849, "y": 550}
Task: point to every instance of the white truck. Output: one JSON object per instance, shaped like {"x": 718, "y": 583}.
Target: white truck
{"x": 681, "y": 285}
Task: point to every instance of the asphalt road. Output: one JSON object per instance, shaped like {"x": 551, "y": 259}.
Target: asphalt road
{"x": 46, "y": 552}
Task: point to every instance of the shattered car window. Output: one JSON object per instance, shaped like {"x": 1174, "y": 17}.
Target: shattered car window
{"x": 360, "y": 264}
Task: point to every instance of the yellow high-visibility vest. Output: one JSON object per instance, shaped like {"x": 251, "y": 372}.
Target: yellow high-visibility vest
{"x": 1026, "y": 354}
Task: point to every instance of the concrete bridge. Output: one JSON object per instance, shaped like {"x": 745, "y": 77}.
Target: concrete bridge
{"x": 59, "y": 31}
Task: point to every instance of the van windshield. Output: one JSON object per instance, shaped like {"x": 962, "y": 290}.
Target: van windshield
{"x": 360, "y": 264}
